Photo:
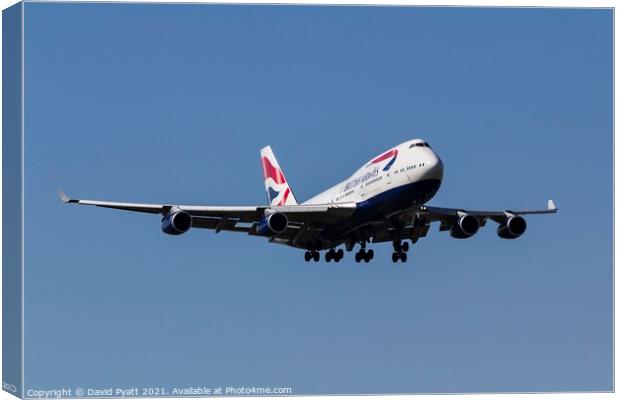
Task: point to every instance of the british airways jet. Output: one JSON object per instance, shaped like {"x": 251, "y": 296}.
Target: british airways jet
{"x": 383, "y": 201}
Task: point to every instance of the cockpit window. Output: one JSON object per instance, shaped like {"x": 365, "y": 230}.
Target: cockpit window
{"x": 421, "y": 144}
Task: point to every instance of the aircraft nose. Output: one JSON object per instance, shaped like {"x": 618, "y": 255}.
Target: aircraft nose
{"x": 435, "y": 168}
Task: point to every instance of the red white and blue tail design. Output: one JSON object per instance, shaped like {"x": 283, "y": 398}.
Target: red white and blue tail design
{"x": 278, "y": 191}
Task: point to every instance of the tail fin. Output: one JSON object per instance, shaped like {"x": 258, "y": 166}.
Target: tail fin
{"x": 278, "y": 191}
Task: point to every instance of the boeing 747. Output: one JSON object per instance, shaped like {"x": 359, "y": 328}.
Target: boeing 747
{"x": 383, "y": 201}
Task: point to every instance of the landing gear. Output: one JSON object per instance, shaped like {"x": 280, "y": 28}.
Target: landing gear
{"x": 312, "y": 255}
{"x": 364, "y": 255}
{"x": 400, "y": 251}
{"x": 402, "y": 256}
{"x": 400, "y": 247}
{"x": 335, "y": 255}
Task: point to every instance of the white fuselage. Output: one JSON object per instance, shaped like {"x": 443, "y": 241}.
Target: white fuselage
{"x": 402, "y": 166}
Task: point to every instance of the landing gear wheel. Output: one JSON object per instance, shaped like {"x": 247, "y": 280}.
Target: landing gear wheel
{"x": 329, "y": 255}
{"x": 405, "y": 246}
{"x": 403, "y": 257}
{"x": 370, "y": 254}
{"x": 307, "y": 256}
{"x": 316, "y": 256}
{"x": 359, "y": 256}
{"x": 339, "y": 254}
{"x": 395, "y": 256}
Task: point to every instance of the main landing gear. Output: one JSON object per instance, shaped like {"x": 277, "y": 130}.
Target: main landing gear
{"x": 400, "y": 251}
{"x": 312, "y": 255}
{"x": 335, "y": 255}
{"x": 363, "y": 254}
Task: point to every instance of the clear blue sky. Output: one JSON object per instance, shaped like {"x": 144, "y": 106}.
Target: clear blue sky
{"x": 171, "y": 103}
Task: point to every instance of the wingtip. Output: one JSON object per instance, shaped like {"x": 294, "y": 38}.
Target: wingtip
{"x": 63, "y": 196}
{"x": 551, "y": 205}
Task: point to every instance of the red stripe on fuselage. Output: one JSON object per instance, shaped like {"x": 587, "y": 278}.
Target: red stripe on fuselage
{"x": 385, "y": 156}
{"x": 272, "y": 172}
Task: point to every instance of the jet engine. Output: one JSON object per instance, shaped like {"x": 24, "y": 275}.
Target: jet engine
{"x": 464, "y": 227}
{"x": 176, "y": 223}
{"x": 512, "y": 227}
{"x": 272, "y": 224}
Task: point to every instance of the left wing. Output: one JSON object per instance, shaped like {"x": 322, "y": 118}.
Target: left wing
{"x": 415, "y": 222}
{"x": 440, "y": 213}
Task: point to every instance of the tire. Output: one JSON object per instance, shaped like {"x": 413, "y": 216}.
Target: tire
{"x": 370, "y": 254}
{"x": 395, "y": 257}
{"x": 358, "y": 257}
{"x": 316, "y": 256}
{"x": 403, "y": 257}
{"x": 307, "y": 256}
{"x": 405, "y": 246}
{"x": 340, "y": 254}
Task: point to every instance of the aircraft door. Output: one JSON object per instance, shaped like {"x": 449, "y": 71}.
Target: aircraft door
{"x": 410, "y": 171}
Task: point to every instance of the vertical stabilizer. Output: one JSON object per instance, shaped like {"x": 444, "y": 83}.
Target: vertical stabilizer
{"x": 279, "y": 192}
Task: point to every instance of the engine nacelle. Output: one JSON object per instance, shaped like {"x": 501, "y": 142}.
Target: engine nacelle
{"x": 272, "y": 224}
{"x": 512, "y": 228}
{"x": 465, "y": 227}
{"x": 176, "y": 223}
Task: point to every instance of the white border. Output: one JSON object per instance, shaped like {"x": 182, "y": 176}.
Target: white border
{"x": 475, "y": 3}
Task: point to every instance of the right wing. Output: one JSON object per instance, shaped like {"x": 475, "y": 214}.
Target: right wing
{"x": 312, "y": 218}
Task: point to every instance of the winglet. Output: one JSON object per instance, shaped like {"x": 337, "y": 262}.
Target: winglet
{"x": 65, "y": 198}
{"x": 551, "y": 205}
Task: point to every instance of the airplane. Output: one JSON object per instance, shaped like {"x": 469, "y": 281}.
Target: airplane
{"x": 383, "y": 201}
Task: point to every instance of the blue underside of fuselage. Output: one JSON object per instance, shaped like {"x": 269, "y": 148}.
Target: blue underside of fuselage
{"x": 398, "y": 198}
{"x": 390, "y": 201}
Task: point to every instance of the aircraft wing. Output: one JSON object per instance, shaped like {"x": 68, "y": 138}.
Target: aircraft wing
{"x": 441, "y": 214}
{"x": 415, "y": 221}
{"x": 236, "y": 218}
